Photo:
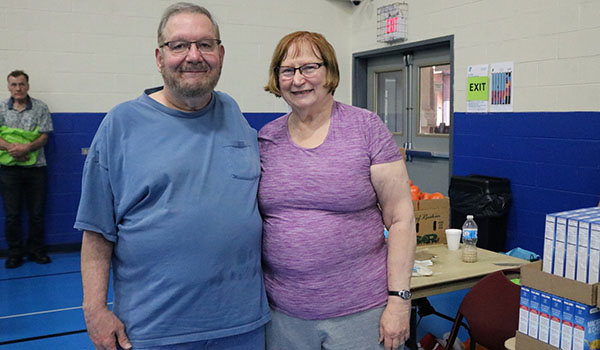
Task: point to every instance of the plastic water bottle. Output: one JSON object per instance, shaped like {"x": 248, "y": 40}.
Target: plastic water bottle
{"x": 469, "y": 234}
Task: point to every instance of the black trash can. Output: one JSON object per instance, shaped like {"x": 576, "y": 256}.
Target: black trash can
{"x": 488, "y": 199}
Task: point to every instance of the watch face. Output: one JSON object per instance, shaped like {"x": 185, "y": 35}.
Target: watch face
{"x": 404, "y": 294}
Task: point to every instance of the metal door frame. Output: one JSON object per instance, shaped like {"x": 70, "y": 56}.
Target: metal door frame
{"x": 360, "y": 66}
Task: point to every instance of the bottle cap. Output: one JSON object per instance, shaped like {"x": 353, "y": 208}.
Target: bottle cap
{"x": 469, "y": 217}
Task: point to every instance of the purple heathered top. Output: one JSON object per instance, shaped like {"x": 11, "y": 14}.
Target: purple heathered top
{"x": 324, "y": 253}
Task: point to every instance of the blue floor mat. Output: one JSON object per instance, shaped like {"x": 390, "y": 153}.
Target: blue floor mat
{"x": 40, "y": 305}
{"x": 61, "y": 263}
{"x": 41, "y": 293}
{"x": 32, "y": 326}
{"x": 45, "y": 300}
{"x": 78, "y": 341}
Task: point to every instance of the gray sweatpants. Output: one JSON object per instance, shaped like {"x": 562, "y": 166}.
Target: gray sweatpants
{"x": 359, "y": 331}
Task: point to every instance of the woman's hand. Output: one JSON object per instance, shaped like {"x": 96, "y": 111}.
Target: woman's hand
{"x": 394, "y": 326}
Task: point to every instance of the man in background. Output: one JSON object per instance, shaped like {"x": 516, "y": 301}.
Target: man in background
{"x": 25, "y": 123}
{"x": 169, "y": 197}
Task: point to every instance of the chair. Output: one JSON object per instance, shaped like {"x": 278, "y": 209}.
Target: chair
{"x": 491, "y": 308}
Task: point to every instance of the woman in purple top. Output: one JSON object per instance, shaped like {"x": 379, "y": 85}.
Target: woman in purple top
{"x": 332, "y": 178}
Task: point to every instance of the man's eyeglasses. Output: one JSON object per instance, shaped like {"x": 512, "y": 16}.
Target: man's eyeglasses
{"x": 306, "y": 70}
{"x": 182, "y": 47}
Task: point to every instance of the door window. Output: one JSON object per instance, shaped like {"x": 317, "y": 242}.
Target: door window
{"x": 389, "y": 99}
{"x": 434, "y": 100}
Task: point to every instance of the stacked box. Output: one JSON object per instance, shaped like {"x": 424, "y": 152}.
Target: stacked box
{"x": 560, "y": 245}
{"x": 583, "y": 250}
{"x": 573, "y": 243}
{"x": 566, "y": 334}
{"x": 549, "y": 241}
{"x": 571, "y": 246}
{"x": 545, "y": 311}
{"x": 573, "y": 324}
{"x": 572, "y": 230}
{"x": 534, "y": 313}
{"x": 555, "y": 320}
{"x": 586, "y": 327}
{"x": 566, "y": 254}
{"x": 587, "y": 266}
{"x": 560, "y": 242}
{"x": 524, "y": 310}
{"x": 594, "y": 267}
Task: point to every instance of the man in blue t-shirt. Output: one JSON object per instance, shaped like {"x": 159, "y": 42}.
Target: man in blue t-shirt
{"x": 169, "y": 198}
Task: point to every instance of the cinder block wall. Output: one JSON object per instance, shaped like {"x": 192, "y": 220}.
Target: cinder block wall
{"x": 552, "y": 159}
{"x": 86, "y": 56}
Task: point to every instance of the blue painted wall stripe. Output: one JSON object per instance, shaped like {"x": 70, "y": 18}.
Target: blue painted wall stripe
{"x": 72, "y": 132}
{"x": 551, "y": 158}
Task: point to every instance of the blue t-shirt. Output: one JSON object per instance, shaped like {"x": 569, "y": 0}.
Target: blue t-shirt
{"x": 176, "y": 192}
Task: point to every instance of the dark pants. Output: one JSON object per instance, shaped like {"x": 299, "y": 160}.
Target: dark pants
{"x": 21, "y": 185}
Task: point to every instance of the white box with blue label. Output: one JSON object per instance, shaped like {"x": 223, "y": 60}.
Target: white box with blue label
{"x": 571, "y": 257}
{"x": 587, "y": 267}
{"x": 586, "y": 327}
{"x": 545, "y": 311}
{"x": 524, "y": 309}
{"x": 549, "y": 239}
{"x": 555, "y": 320}
{"x": 534, "y": 313}
{"x": 566, "y": 333}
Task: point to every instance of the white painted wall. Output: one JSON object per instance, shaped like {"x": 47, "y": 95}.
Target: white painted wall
{"x": 554, "y": 44}
{"x": 88, "y": 55}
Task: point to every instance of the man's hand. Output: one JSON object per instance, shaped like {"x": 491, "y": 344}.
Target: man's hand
{"x": 105, "y": 329}
{"x": 22, "y": 159}
{"x": 394, "y": 326}
{"x": 18, "y": 150}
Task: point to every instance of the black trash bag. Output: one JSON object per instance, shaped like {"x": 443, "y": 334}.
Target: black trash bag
{"x": 480, "y": 195}
{"x": 480, "y": 204}
{"x": 488, "y": 199}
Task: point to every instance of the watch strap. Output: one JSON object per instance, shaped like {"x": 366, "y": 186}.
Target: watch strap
{"x": 404, "y": 294}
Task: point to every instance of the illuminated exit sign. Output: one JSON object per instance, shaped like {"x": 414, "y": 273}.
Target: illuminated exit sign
{"x": 391, "y": 23}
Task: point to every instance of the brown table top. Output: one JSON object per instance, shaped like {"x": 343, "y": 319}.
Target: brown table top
{"x": 450, "y": 273}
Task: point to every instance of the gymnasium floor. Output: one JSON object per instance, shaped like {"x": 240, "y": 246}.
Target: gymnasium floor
{"x": 40, "y": 307}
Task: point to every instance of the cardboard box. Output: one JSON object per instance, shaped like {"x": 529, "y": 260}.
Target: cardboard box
{"x": 525, "y": 342}
{"x": 432, "y": 217}
{"x": 532, "y": 276}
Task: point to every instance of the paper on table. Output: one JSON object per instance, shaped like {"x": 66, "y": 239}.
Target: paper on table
{"x": 420, "y": 268}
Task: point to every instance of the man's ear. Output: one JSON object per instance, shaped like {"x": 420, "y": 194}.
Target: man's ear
{"x": 159, "y": 59}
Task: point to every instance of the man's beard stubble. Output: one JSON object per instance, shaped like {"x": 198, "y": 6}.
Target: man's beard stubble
{"x": 203, "y": 87}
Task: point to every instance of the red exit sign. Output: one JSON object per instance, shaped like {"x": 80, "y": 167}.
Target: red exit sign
{"x": 391, "y": 25}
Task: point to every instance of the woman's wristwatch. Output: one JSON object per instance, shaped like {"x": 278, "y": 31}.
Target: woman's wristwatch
{"x": 404, "y": 294}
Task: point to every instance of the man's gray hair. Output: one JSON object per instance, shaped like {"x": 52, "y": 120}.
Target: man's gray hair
{"x": 184, "y": 7}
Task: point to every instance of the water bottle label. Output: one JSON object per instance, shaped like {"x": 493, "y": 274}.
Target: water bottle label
{"x": 469, "y": 233}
